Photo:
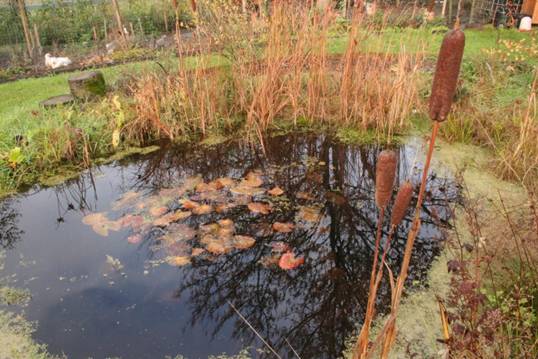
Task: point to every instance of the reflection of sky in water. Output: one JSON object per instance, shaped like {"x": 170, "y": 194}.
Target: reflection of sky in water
{"x": 185, "y": 310}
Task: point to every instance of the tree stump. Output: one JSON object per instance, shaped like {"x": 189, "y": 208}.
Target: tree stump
{"x": 58, "y": 101}
{"x": 87, "y": 85}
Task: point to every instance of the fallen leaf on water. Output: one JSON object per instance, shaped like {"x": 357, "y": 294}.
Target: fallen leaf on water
{"x": 309, "y": 214}
{"x": 252, "y": 179}
{"x": 225, "y": 181}
{"x": 277, "y": 191}
{"x": 283, "y": 227}
{"x": 280, "y": 247}
{"x": 94, "y": 218}
{"x": 197, "y": 251}
{"x": 243, "y": 242}
{"x": 178, "y": 261}
{"x": 305, "y": 196}
{"x": 130, "y": 220}
{"x": 202, "y": 209}
{"x": 208, "y": 187}
{"x": 158, "y": 211}
{"x": 219, "y": 247}
{"x": 188, "y": 204}
{"x": 259, "y": 207}
{"x": 243, "y": 189}
{"x": 101, "y": 229}
{"x": 226, "y": 223}
{"x": 135, "y": 238}
{"x": 223, "y": 208}
{"x": 171, "y": 217}
{"x": 288, "y": 261}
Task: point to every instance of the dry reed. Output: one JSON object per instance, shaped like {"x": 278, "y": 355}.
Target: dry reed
{"x": 446, "y": 77}
{"x": 401, "y": 203}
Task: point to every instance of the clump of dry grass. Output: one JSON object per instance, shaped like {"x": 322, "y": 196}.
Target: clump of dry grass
{"x": 279, "y": 69}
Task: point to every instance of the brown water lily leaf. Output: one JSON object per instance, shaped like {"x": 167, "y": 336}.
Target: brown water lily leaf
{"x": 253, "y": 179}
{"x": 309, "y": 214}
{"x": 202, "y": 209}
{"x": 247, "y": 190}
{"x": 135, "y": 238}
{"x": 305, "y": 196}
{"x": 283, "y": 227}
{"x": 171, "y": 217}
{"x": 277, "y": 191}
{"x": 158, "y": 211}
{"x": 219, "y": 247}
{"x": 197, "y": 251}
{"x": 288, "y": 261}
{"x": 226, "y": 223}
{"x": 243, "y": 242}
{"x": 131, "y": 220}
{"x": 178, "y": 261}
{"x": 188, "y": 204}
{"x": 94, "y": 218}
{"x": 208, "y": 187}
{"x": 225, "y": 182}
{"x": 280, "y": 247}
{"x": 224, "y": 207}
{"x": 259, "y": 207}
{"x": 101, "y": 229}
{"x": 178, "y": 232}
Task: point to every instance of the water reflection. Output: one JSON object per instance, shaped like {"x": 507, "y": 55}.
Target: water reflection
{"x": 315, "y": 307}
{"x": 10, "y": 233}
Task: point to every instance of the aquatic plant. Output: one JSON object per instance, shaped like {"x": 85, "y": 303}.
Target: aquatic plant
{"x": 443, "y": 90}
{"x": 401, "y": 203}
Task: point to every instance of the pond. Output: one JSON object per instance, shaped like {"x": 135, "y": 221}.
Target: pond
{"x": 145, "y": 257}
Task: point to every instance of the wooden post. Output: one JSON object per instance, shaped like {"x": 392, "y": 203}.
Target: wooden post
{"x": 37, "y": 40}
{"x": 25, "y": 26}
{"x": 165, "y": 18}
{"x": 131, "y": 27}
{"x": 95, "y": 38}
{"x": 105, "y": 29}
{"x": 443, "y": 11}
{"x": 119, "y": 21}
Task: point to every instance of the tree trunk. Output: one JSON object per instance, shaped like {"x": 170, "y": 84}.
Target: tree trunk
{"x": 471, "y": 13}
{"x": 26, "y": 27}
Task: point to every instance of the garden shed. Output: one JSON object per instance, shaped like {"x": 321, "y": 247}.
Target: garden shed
{"x": 530, "y": 7}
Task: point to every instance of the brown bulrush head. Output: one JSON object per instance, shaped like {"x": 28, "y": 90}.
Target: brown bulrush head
{"x": 401, "y": 203}
{"x": 385, "y": 173}
{"x": 447, "y": 71}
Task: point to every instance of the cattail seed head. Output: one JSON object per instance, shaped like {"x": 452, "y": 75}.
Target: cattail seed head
{"x": 447, "y": 71}
{"x": 385, "y": 173}
{"x": 401, "y": 203}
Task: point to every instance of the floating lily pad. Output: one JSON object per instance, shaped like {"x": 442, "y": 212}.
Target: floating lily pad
{"x": 95, "y": 218}
{"x": 178, "y": 261}
{"x": 259, "y": 207}
{"x": 309, "y": 214}
{"x": 243, "y": 242}
{"x": 202, "y": 209}
{"x": 305, "y": 196}
{"x": 158, "y": 211}
{"x": 283, "y": 227}
{"x": 171, "y": 217}
{"x": 253, "y": 179}
{"x": 288, "y": 261}
{"x": 276, "y": 191}
{"x": 135, "y": 238}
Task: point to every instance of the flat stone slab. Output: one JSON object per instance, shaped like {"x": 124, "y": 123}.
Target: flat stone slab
{"x": 55, "y": 101}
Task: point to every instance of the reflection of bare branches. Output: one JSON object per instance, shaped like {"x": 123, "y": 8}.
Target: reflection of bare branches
{"x": 9, "y": 230}
{"x": 318, "y": 305}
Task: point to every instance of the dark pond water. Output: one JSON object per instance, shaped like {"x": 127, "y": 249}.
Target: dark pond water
{"x": 111, "y": 275}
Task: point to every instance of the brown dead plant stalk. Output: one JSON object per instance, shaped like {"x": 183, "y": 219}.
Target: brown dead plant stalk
{"x": 443, "y": 90}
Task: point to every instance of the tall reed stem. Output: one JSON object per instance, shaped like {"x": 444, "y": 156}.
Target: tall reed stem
{"x": 389, "y": 331}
